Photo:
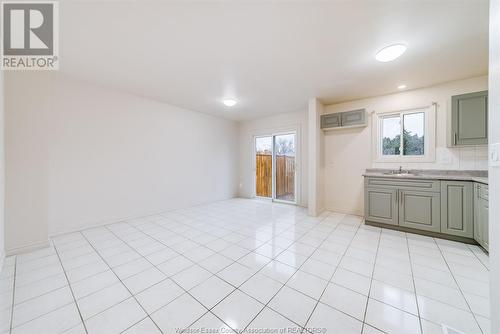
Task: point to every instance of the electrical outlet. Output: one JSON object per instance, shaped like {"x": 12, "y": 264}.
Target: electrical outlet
{"x": 494, "y": 155}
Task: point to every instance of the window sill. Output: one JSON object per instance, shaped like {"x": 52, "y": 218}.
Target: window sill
{"x": 405, "y": 159}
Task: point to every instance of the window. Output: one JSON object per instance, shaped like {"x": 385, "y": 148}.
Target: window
{"x": 414, "y": 134}
{"x": 391, "y": 135}
{"x": 406, "y": 136}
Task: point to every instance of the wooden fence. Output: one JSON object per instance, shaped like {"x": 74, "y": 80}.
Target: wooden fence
{"x": 285, "y": 176}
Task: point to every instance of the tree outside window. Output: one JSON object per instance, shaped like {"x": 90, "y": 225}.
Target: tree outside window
{"x": 410, "y": 127}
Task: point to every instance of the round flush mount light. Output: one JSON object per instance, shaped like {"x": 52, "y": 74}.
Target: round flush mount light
{"x": 401, "y": 87}
{"x": 391, "y": 52}
{"x": 229, "y": 102}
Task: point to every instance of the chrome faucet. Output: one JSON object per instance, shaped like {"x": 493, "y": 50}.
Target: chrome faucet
{"x": 402, "y": 171}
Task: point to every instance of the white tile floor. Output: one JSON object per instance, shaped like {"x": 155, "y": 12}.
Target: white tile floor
{"x": 245, "y": 264}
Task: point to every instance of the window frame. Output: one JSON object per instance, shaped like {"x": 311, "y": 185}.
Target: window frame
{"x": 429, "y": 136}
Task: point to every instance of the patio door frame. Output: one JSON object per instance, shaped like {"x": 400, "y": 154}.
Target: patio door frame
{"x": 296, "y": 187}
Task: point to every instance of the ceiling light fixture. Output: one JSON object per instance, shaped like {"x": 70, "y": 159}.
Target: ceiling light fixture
{"x": 229, "y": 102}
{"x": 400, "y": 87}
{"x": 390, "y": 52}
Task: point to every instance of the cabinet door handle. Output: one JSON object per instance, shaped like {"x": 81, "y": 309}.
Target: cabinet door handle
{"x": 454, "y": 138}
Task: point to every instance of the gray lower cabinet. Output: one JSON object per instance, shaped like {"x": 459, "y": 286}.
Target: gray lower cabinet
{"x": 457, "y": 214}
{"x": 457, "y": 209}
{"x": 420, "y": 210}
{"x": 481, "y": 207}
{"x": 469, "y": 119}
{"x": 381, "y": 205}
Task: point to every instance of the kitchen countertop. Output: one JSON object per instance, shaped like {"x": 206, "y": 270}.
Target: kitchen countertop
{"x": 435, "y": 174}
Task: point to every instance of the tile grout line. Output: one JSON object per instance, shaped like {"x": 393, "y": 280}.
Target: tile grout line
{"x": 185, "y": 257}
{"x": 238, "y": 287}
{"x": 71, "y": 289}
{"x": 43, "y": 314}
{"x": 215, "y": 274}
{"x": 132, "y": 295}
{"x": 240, "y": 228}
{"x": 459, "y": 288}
{"x": 219, "y": 253}
{"x": 284, "y": 284}
{"x": 371, "y": 281}
{"x": 128, "y": 245}
{"x": 13, "y": 295}
{"x": 333, "y": 274}
{"x": 414, "y": 285}
{"x": 477, "y": 257}
{"x": 297, "y": 270}
{"x": 169, "y": 278}
{"x": 187, "y": 291}
{"x": 182, "y": 254}
{"x": 119, "y": 279}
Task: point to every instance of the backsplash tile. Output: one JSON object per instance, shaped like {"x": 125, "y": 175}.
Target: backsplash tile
{"x": 481, "y": 157}
{"x": 459, "y": 158}
{"x": 467, "y": 158}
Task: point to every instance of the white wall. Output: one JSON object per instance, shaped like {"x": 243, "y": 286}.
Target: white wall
{"x": 494, "y": 172}
{"x": 2, "y": 171}
{"x": 79, "y": 155}
{"x": 316, "y": 157}
{"x": 348, "y": 152}
{"x": 26, "y": 155}
{"x": 292, "y": 121}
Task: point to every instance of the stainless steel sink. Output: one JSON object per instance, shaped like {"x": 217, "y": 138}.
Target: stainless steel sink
{"x": 400, "y": 174}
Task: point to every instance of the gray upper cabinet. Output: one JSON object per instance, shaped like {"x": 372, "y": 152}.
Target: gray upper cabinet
{"x": 469, "y": 119}
{"x": 457, "y": 208}
{"x": 481, "y": 207}
{"x": 354, "y": 118}
{"x": 420, "y": 210}
{"x": 381, "y": 205}
{"x": 331, "y": 121}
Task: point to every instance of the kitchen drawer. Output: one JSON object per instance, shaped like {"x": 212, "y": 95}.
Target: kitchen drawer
{"x": 400, "y": 183}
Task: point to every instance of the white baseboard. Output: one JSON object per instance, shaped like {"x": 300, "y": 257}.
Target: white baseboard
{"x": 28, "y": 248}
{"x": 347, "y": 212}
{"x": 88, "y": 226}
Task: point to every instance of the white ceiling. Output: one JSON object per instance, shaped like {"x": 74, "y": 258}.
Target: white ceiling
{"x": 271, "y": 56}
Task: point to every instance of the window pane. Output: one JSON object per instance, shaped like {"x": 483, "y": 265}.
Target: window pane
{"x": 413, "y": 134}
{"x": 264, "y": 145}
{"x": 391, "y": 133}
{"x": 264, "y": 166}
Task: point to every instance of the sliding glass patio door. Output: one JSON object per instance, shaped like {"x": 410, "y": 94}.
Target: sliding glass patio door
{"x": 275, "y": 167}
{"x": 264, "y": 167}
{"x": 284, "y": 167}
